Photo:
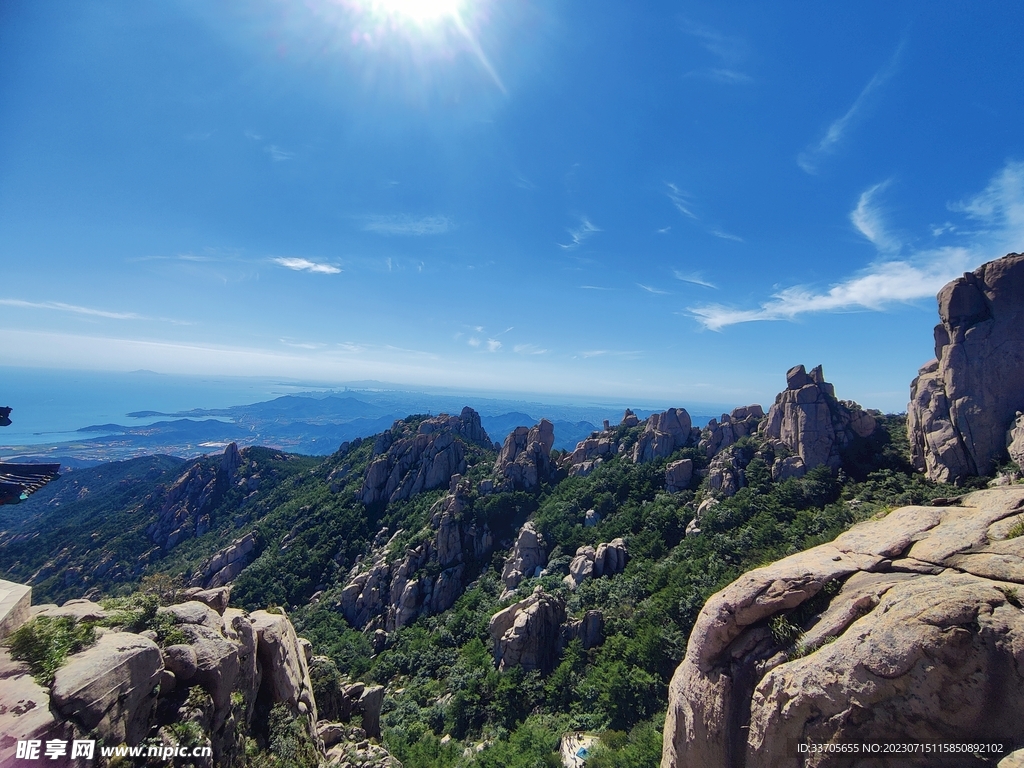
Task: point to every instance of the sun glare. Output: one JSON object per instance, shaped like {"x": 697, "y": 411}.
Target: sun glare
{"x": 420, "y": 11}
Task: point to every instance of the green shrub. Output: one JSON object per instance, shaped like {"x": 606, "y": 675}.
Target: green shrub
{"x": 45, "y": 642}
{"x": 784, "y": 631}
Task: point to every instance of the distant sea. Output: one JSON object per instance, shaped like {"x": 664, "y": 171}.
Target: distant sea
{"x": 49, "y": 405}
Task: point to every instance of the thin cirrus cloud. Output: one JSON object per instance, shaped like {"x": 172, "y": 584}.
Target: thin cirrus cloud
{"x": 997, "y": 214}
{"x": 277, "y": 154}
{"x": 529, "y": 349}
{"x": 726, "y": 235}
{"x": 73, "y": 308}
{"x": 305, "y": 265}
{"x": 580, "y": 234}
{"x": 730, "y": 50}
{"x": 652, "y": 289}
{"x": 680, "y": 200}
{"x": 693, "y": 278}
{"x": 869, "y": 220}
{"x": 399, "y": 224}
{"x": 811, "y": 158}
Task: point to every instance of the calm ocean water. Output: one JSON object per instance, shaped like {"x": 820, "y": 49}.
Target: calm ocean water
{"x": 50, "y": 404}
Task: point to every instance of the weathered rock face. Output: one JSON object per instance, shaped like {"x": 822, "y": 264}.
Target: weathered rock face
{"x": 529, "y": 554}
{"x": 1015, "y": 440}
{"x": 963, "y": 402}
{"x": 226, "y": 564}
{"x": 911, "y": 630}
{"x": 741, "y": 422}
{"x": 384, "y": 592}
{"x": 527, "y": 633}
{"x": 125, "y": 688}
{"x": 607, "y": 560}
{"x": 727, "y": 471}
{"x": 663, "y": 434}
{"x": 590, "y": 452}
{"x": 182, "y": 515}
{"x": 525, "y": 460}
{"x": 809, "y": 421}
{"x": 111, "y": 687}
{"x": 284, "y": 664}
{"x": 589, "y": 630}
{"x": 25, "y": 712}
{"x": 408, "y": 463}
{"x": 678, "y": 475}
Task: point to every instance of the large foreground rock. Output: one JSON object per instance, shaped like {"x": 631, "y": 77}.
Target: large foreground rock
{"x": 963, "y": 402}
{"x": 25, "y": 713}
{"x": 921, "y": 640}
{"x": 111, "y": 687}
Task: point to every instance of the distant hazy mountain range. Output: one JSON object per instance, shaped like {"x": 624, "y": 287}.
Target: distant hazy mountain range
{"x": 308, "y": 423}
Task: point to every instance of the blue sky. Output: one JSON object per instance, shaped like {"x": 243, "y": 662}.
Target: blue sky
{"x": 668, "y": 201}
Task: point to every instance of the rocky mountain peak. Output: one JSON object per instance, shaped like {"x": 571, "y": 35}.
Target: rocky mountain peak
{"x": 409, "y": 460}
{"x": 964, "y": 401}
{"x": 808, "y": 421}
{"x": 524, "y": 461}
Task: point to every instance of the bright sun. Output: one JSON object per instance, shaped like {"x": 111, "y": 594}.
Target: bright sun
{"x": 421, "y": 11}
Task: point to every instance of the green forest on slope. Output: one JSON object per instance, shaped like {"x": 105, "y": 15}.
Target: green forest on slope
{"x": 447, "y": 705}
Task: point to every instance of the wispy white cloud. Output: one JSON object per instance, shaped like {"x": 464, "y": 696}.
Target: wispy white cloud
{"x": 997, "y": 213}
{"x": 692, "y": 277}
{"x": 873, "y": 289}
{"x": 730, "y": 76}
{"x": 473, "y": 341}
{"x": 730, "y": 50}
{"x": 664, "y": 230}
{"x": 73, "y": 308}
{"x": 679, "y": 200}
{"x": 726, "y": 235}
{"x": 867, "y": 217}
{"x": 651, "y": 289}
{"x": 493, "y": 345}
{"x": 528, "y": 349}
{"x": 809, "y": 159}
{"x": 400, "y": 224}
{"x": 277, "y": 154}
{"x": 999, "y": 208}
{"x": 628, "y": 353}
{"x": 580, "y": 233}
{"x": 724, "y": 76}
{"x": 595, "y": 288}
{"x": 305, "y": 265}
{"x": 302, "y": 344}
